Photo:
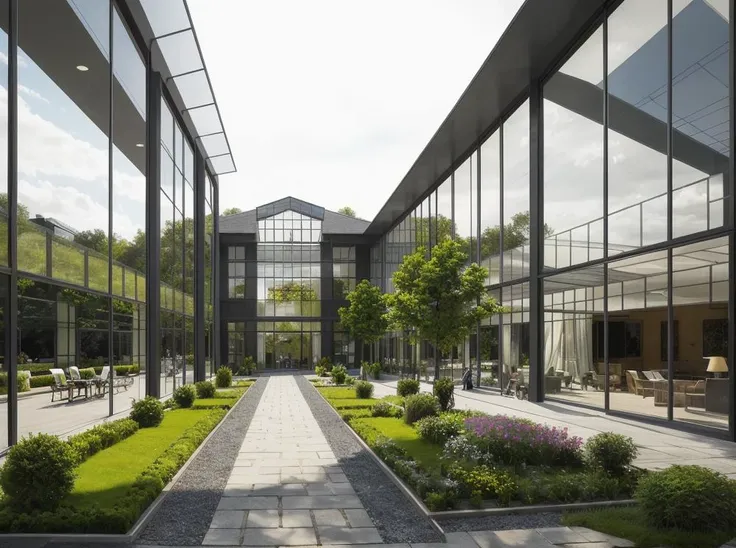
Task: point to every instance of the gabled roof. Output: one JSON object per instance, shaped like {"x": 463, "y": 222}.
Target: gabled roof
{"x": 332, "y": 221}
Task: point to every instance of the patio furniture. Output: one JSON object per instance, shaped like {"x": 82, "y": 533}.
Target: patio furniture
{"x": 60, "y": 385}
{"x": 79, "y": 383}
{"x": 716, "y": 396}
{"x": 679, "y": 387}
{"x": 552, "y": 384}
{"x": 565, "y": 376}
{"x": 695, "y": 395}
{"x": 101, "y": 380}
{"x": 637, "y": 385}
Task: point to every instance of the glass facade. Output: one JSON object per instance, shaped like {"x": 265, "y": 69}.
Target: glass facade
{"x": 80, "y": 250}
{"x": 632, "y": 230}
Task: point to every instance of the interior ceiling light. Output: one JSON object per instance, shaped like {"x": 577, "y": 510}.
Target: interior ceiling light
{"x": 82, "y": 68}
{"x": 139, "y": 145}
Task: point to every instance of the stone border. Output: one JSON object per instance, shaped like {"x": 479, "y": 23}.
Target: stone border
{"x": 143, "y": 520}
{"x": 480, "y": 512}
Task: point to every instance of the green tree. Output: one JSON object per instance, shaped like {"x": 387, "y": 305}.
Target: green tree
{"x": 231, "y": 211}
{"x": 93, "y": 239}
{"x": 347, "y": 210}
{"x": 441, "y": 299}
{"x": 365, "y": 316}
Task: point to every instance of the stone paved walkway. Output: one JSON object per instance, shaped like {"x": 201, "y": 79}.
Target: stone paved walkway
{"x": 286, "y": 487}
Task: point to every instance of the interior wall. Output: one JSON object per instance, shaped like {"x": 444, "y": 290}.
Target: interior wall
{"x": 690, "y": 327}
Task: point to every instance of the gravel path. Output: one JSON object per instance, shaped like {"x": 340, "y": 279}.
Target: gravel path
{"x": 498, "y": 523}
{"x": 186, "y": 513}
{"x": 395, "y": 517}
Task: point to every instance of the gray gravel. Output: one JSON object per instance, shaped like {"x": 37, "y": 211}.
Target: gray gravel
{"x": 186, "y": 513}
{"x": 396, "y": 518}
{"x": 498, "y": 523}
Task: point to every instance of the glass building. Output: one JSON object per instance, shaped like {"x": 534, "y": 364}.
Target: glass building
{"x": 285, "y": 270}
{"x": 112, "y": 145}
{"x": 589, "y": 167}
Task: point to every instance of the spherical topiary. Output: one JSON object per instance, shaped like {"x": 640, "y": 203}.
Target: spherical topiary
{"x": 693, "y": 498}
{"x": 363, "y": 390}
{"x": 611, "y": 452}
{"x": 386, "y": 409}
{"x": 419, "y": 406}
{"x": 185, "y": 395}
{"x": 147, "y": 412}
{"x": 205, "y": 389}
{"x": 224, "y": 377}
{"x": 407, "y": 387}
{"x": 38, "y": 473}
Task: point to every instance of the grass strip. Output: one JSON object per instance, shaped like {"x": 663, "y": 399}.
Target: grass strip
{"x": 630, "y": 523}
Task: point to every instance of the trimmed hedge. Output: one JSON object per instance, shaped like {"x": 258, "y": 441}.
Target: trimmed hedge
{"x": 44, "y": 369}
{"x": 101, "y": 437}
{"x": 87, "y": 374}
{"x": 128, "y": 508}
{"x": 4, "y": 384}
{"x": 42, "y": 380}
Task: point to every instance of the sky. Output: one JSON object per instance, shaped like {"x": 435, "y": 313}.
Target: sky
{"x": 333, "y": 101}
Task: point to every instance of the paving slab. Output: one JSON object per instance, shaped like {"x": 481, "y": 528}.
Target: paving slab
{"x": 287, "y": 488}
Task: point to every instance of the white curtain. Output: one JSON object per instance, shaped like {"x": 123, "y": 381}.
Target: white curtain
{"x": 583, "y": 337}
{"x": 511, "y": 346}
{"x": 553, "y": 345}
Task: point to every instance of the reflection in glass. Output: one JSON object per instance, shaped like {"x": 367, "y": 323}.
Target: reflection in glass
{"x": 490, "y": 215}
{"x": 516, "y": 194}
{"x": 573, "y": 158}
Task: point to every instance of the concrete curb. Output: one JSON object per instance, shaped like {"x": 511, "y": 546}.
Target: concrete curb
{"x": 408, "y": 493}
{"x": 532, "y": 509}
{"x": 145, "y": 517}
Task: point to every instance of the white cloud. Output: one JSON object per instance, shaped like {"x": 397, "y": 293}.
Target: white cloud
{"x": 32, "y": 93}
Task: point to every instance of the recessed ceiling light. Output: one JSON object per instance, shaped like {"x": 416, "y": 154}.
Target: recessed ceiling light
{"x": 139, "y": 145}
{"x": 82, "y": 68}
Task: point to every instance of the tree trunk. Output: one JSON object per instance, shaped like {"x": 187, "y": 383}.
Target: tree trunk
{"x": 437, "y": 359}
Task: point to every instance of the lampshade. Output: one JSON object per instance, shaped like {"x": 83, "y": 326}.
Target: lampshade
{"x": 717, "y": 364}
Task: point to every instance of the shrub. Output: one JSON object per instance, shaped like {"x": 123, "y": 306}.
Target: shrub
{"x": 488, "y": 380}
{"x": 38, "y": 473}
{"x": 101, "y": 437}
{"x": 205, "y": 389}
{"x": 338, "y": 374}
{"x": 320, "y": 371}
{"x": 374, "y": 369}
{"x": 437, "y": 502}
{"x": 147, "y": 412}
{"x": 441, "y": 428}
{"x": 484, "y": 481}
{"x": 247, "y": 367}
{"x": 185, "y": 395}
{"x": 386, "y": 409}
{"x": 512, "y": 441}
{"x": 19, "y": 381}
{"x": 350, "y": 381}
{"x": 407, "y": 387}
{"x": 419, "y": 406}
{"x": 42, "y": 380}
{"x": 363, "y": 390}
{"x": 443, "y": 390}
{"x": 688, "y": 497}
{"x": 224, "y": 377}
{"x": 611, "y": 452}
{"x": 325, "y": 363}
{"x": 87, "y": 373}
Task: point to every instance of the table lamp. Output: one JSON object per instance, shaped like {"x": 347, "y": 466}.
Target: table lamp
{"x": 717, "y": 365}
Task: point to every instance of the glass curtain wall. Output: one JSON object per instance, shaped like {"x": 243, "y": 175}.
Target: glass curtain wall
{"x": 209, "y": 287}
{"x": 177, "y": 255}
{"x": 664, "y": 309}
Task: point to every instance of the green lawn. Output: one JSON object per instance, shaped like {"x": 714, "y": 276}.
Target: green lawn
{"x": 210, "y": 403}
{"x": 106, "y": 476}
{"x": 352, "y": 403}
{"x": 405, "y": 436}
{"x": 338, "y": 393}
{"x": 396, "y": 400}
{"x": 629, "y": 523}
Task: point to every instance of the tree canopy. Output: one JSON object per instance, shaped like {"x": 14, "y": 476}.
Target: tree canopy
{"x": 231, "y": 211}
{"x": 347, "y": 210}
{"x": 441, "y": 299}
{"x": 365, "y": 316}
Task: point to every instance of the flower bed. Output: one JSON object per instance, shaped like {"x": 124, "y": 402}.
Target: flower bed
{"x": 463, "y": 459}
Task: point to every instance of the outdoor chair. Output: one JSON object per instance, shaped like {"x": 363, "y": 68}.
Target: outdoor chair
{"x": 78, "y": 382}
{"x": 102, "y": 380}
{"x": 639, "y": 386}
{"x": 60, "y": 386}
